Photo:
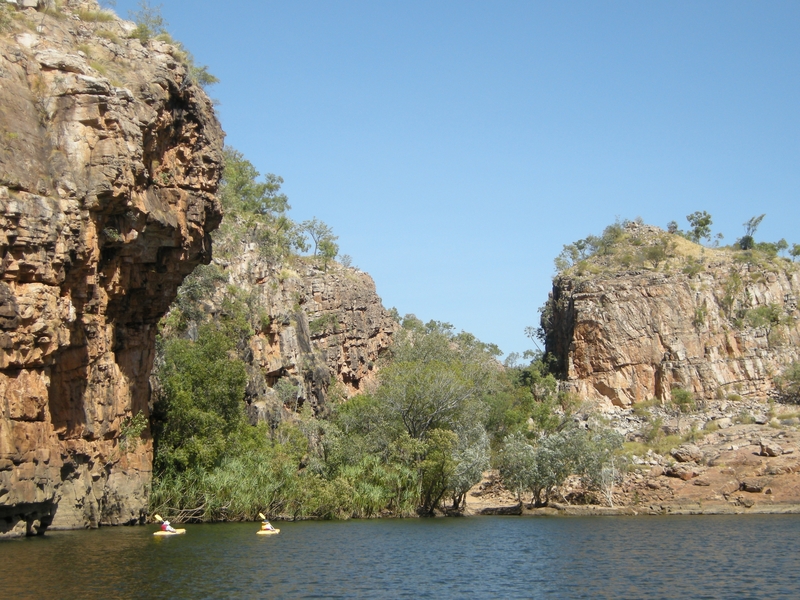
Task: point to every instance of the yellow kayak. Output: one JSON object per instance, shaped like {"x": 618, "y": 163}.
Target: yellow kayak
{"x": 268, "y": 532}
{"x": 176, "y": 532}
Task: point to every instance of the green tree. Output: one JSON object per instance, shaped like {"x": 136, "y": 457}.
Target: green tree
{"x": 201, "y": 403}
{"x": 200, "y": 74}
{"x": 255, "y": 211}
{"x": 437, "y": 468}
{"x": 517, "y": 465}
{"x": 788, "y": 383}
{"x": 322, "y": 237}
{"x": 539, "y": 467}
{"x": 427, "y": 395}
{"x": 655, "y": 254}
{"x": 149, "y": 21}
{"x": 700, "y": 222}
{"x": 767, "y": 317}
{"x": 733, "y": 288}
{"x": 242, "y": 192}
{"x": 795, "y": 251}
{"x": 471, "y": 459}
{"x": 556, "y": 458}
{"x": 328, "y": 249}
{"x": 187, "y": 308}
{"x": 747, "y": 242}
{"x": 683, "y": 402}
{"x": 599, "y": 464}
{"x": 288, "y": 393}
{"x": 436, "y": 377}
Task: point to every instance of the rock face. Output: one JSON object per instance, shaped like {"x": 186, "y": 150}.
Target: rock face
{"x": 320, "y": 325}
{"x": 632, "y": 336}
{"x": 109, "y": 164}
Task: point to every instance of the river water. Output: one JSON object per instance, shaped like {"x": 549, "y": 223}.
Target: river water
{"x": 482, "y": 557}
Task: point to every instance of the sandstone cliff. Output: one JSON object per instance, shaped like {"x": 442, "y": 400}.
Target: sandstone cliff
{"x": 314, "y": 326}
{"x": 324, "y": 326}
{"x": 626, "y": 335}
{"x": 109, "y": 164}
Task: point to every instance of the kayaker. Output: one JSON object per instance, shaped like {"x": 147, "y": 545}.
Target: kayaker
{"x": 266, "y": 525}
{"x": 165, "y": 526}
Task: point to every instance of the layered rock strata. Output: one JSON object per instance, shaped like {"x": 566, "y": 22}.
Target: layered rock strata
{"x": 317, "y": 325}
{"x": 109, "y": 164}
{"x": 633, "y": 336}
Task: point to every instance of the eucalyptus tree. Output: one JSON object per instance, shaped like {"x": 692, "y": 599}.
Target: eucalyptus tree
{"x": 321, "y": 235}
{"x": 436, "y": 378}
{"x": 255, "y": 211}
{"x": 700, "y": 222}
{"x": 747, "y": 242}
{"x": 471, "y": 459}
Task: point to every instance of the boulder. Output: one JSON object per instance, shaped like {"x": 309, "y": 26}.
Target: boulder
{"x": 752, "y": 485}
{"x": 683, "y": 471}
{"x": 770, "y": 448}
{"x": 687, "y": 453}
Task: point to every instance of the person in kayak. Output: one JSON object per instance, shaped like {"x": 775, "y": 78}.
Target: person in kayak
{"x": 165, "y": 526}
{"x": 266, "y": 525}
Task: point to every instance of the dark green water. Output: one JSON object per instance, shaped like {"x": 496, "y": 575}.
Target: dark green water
{"x": 485, "y": 557}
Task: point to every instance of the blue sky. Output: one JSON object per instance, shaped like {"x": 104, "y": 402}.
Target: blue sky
{"x": 455, "y": 147}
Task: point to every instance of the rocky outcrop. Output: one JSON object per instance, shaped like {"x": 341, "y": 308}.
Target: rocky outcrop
{"x": 627, "y": 337}
{"x": 316, "y": 325}
{"x": 109, "y": 164}
{"x": 725, "y": 471}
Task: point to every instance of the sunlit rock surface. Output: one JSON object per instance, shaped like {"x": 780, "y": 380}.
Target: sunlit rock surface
{"x": 109, "y": 164}
{"x": 635, "y": 335}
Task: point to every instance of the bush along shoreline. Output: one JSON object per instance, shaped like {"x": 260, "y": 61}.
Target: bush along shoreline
{"x": 441, "y": 412}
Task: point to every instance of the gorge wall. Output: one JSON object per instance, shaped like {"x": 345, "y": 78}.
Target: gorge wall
{"x": 109, "y": 163}
{"x": 633, "y": 335}
{"x": 320, "y": 327}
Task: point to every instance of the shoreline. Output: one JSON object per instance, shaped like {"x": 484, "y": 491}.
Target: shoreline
{"x": 555, "y": 510}
{"x": 591, "y": 510}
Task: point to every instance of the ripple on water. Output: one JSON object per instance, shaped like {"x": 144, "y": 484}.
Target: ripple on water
{"x": 487, "y": 557}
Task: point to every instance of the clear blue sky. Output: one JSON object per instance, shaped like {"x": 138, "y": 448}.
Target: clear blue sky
{"x": 455, "y": 147}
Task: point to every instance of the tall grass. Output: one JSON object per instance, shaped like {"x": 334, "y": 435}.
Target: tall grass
{"x": 269, "y": 481}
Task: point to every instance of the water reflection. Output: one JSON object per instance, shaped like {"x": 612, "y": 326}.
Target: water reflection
{"x": 499, "y": 557}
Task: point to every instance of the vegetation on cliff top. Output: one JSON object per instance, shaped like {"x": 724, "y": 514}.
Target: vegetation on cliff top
{"x": 632, "y": 245}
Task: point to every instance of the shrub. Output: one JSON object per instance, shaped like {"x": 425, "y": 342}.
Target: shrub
{"x": 324, "y": 323}
{"x": 108, "y": 35}
{"x": 655, "y": 254}
{"x": 95, "y": 16}
{"x": 5, "y": 17}
{"x": 788, "y": 383}
{"x": 131, "y": 430}
{"x": 149, "y": 21}
{"x": 201, "y": 403}
{"x": 693, "y": 267}
{"x": 700, "y": 315}
{"x": 683, "y": 399}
